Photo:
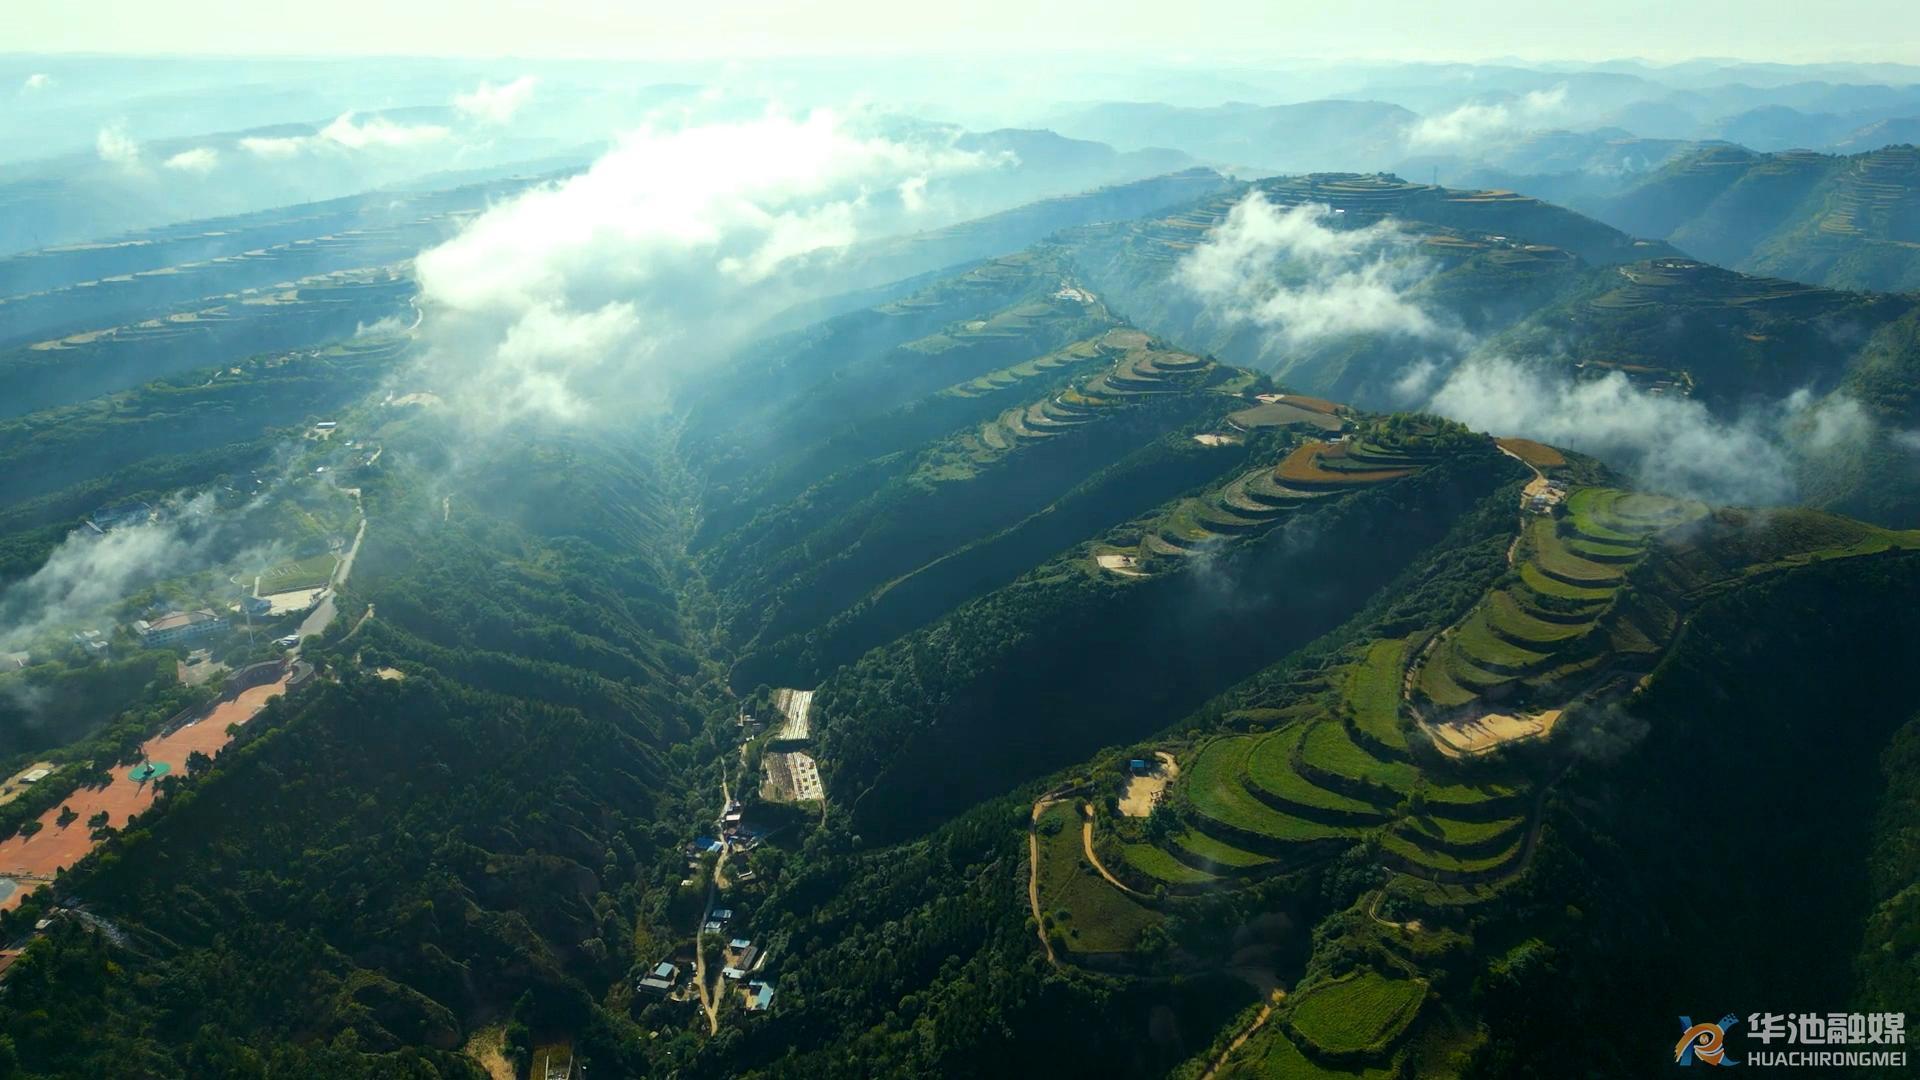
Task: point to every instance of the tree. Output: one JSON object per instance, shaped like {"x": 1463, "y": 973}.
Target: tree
{"x": 31, "y": 827}
{"x": 98, "y": 820}
{"x": 66, "y": 817}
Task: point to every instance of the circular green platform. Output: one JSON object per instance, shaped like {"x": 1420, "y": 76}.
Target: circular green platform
{"x": 148, "y": 771}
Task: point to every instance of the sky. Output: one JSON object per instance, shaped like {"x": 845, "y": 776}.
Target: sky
{"x": 1200, "y": 31}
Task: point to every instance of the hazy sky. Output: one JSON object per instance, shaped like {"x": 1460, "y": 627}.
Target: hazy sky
{"x": 1199, "y": 30}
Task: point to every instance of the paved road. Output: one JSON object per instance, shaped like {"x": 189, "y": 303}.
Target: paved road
{"x": 323, "y": 613}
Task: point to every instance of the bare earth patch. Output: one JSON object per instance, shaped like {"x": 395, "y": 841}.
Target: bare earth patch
{"x": 1465, "y": 738}
{"x": 1119, "y": 564}
{"x": 1143, "y": 793}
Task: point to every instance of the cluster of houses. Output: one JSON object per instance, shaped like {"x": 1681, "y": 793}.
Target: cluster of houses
{"x": 1544, "y": 502}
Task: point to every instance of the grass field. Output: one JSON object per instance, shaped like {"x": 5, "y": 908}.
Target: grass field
{"x": 309, "y": 573}
{"x": 1097, "y": 917}
{"x": 1357, "y": 1011}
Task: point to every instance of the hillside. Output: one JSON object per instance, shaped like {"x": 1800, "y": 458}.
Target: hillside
{"x": 1006, "y": 662}
{"x": 1843, "y": 221}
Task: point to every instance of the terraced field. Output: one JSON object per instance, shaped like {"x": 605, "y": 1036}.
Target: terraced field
{"x": 1264, "y": 802}
{"x": 1137, "y": 370}
{"x": 1546, "y": 628}
{"x": 1360, "y": 1011}
{"x": 1256, "y": 501}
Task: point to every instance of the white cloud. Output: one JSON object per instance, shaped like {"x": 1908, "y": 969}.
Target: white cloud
{"x": 1666, "y": 443}
{"x": 1298, "y": 273}
{"x": 89, "y": 574}
{"x": 37, "y": 81}
{"x": 496, "y": 104}
{"x": 1477, "y": 123}
{"x": 116, "y": 147}
{"x": 344, "y": 134}
{"x": 664, "y": 252}
{"x": 200, "y": 160}
{"x": 1833, "y": 423}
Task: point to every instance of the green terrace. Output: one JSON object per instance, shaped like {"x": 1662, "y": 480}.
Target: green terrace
{"x": 1139, "y": 372}
{"x": 1256, "y": 501}
{"x": 1270, "y": 801}
{"x": 1544, "y": 625}
{"x": 1877, "y": 189}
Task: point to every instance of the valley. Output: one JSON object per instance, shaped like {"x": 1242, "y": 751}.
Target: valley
{"x": 810, "y": 592}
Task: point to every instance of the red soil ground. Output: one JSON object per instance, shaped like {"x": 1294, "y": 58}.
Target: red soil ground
{"x": 34, "y": 859}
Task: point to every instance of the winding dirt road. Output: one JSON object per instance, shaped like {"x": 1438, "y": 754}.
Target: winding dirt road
{"x": 1033, "y": 874}
{"x": 1086, "y": 841}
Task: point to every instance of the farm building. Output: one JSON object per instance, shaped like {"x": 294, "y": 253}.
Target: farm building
{"x": 734, "y": 973}
{"x": 759, "y": 997}
{"x": 178, "y": 626}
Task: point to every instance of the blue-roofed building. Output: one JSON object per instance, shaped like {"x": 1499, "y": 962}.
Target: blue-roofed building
{"x": 664, "y": 970}
{"x": 738, "y": 943}
{"x": 759, "y": 997}
{"x": 1138, "y": 766}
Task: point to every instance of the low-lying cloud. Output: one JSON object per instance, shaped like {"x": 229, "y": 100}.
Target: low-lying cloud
{"x": 496, "y": 104}
{"x": 36, "y": 82}
{"x": 1478, "y": 123}
{"x": 89, "y": 574}
{"x": 1666, "y": 443}
{"x": 198, "y": 161}
{"x": 117, "y": 148}
{"x": 346, "y": 134}
{"x": 662, "y": 254}
{"x": 1301, "y": 274}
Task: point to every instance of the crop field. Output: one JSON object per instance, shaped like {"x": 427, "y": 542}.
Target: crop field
{"x": 1216, "y": 790}
{"x": 1462, "y": 833}
{"x": 1270, "y": 768}
{"x": 1311, "y": 465}
{"x": 1538, "y": 455}
{"x": 1282, "y": 414}
{"x": 1357, "y": 1011}
{"x": 1255, "y": 501}
{"x": 1373, "y": 692}
{"x": 1269, "y": 1055}
{"x": 1157, "y": 863}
